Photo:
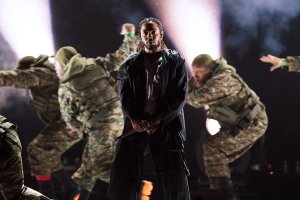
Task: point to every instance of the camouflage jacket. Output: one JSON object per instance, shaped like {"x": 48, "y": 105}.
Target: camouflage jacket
{"x": 87, "y": 88}
{"x": 5, "y": 125}
{"x": 229, "y": 98}
{"x": 293, "y": 63}
{"x": 42, "y": 82}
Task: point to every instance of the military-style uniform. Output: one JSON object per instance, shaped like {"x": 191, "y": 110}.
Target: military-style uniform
{"x": 11, "y": 176}
{"x": 240, "y": 113}
{"x": 89, "y": 103}
{"x": 44, "y": 152}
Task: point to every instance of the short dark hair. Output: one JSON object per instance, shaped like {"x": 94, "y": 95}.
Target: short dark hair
{"x": 203, "y": 60}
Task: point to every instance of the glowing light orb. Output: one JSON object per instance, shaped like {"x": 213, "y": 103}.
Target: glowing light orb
{"x": 212, "y": 126}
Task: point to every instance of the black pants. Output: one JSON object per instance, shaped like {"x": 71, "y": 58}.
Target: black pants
{"x": 169, "y": 163}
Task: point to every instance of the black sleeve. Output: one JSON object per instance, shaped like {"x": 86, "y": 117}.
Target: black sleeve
{"x": 126, "y": 91}
{"x": 176, "y": 92}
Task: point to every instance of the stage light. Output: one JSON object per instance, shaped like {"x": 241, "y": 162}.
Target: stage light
{"x": 192, "y": 25}
{"x": 26, "y": 26}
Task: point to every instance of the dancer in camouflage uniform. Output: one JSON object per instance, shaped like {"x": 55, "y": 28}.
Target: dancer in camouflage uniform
{"x": 44, "y": 152}
{"x": 89, "y": 103}
{"x": 231, "y": 102}
{"x": 11, "y": 167}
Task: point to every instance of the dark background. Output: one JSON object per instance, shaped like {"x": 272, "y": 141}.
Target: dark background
{"x": 93, "y": 28}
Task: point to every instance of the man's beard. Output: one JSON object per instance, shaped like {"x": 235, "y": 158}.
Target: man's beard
{"x": 152, "y": 47}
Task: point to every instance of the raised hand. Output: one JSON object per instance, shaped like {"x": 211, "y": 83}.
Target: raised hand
{"x": 127, "y": 27}
{"x": 275, "y": 61}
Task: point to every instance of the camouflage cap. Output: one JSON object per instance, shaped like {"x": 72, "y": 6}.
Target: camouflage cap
{"x": 203, "y": 60}
{"x": 25, "y": 62}
{"x": 64, "y": 54}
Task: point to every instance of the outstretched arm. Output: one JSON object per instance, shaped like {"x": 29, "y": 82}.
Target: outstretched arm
{"x": 27, "y": 78}
{"x": 112, "y": 61}
{"x": 291, "y": 62}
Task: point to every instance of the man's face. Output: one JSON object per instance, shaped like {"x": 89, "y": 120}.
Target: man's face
{"x": 59, "y": 69}
{"x": 201, "y": 74}
{"x": 151, "y": 36}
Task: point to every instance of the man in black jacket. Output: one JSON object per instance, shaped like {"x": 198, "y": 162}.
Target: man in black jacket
{"x": 152, "y": 87}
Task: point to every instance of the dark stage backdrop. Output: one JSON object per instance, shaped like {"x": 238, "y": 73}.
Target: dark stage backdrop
{"x": 93, "y": 28}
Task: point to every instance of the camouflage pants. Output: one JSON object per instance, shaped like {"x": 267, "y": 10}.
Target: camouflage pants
{"x": 11, "y": 176}
{"x": 99, "y": 152}
{"x": 44, "y": 152}
{"x": 221, "y": 149}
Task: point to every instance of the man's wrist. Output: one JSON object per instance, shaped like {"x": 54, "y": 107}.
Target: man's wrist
{"x": 129, "y": 33}
{"x": 282, "y": 63}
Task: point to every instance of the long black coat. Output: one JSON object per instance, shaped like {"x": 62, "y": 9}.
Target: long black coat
{"x": 172, "y": 93}
{"x": 166, "y": 144}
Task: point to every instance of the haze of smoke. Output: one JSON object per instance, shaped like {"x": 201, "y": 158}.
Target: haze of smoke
{"x": 264, "y": 20}
{"x": 123, "y": 11}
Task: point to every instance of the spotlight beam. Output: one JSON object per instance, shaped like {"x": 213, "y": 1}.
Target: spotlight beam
{"x": 192, "y": 25}
{"x": 26, "y": 26}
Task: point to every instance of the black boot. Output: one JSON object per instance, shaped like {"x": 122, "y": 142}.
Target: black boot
{"x": 84, "y": 195}
{"x": 65, "y": 180}
{"x": 227, "y": 189}
{"x": 46, "y": 188}
{"x": 100, "y": 190}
